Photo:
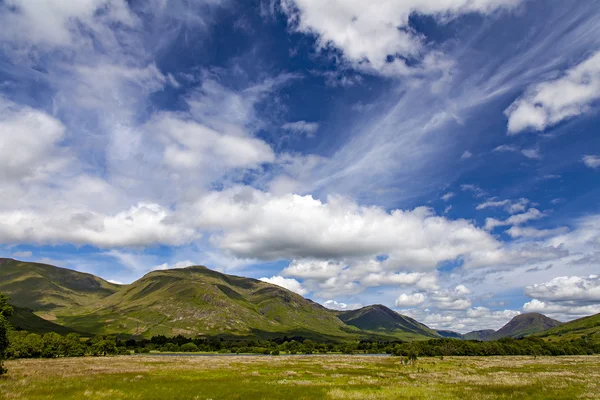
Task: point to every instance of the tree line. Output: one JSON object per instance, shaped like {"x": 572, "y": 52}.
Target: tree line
{"x": 22, "y": 344}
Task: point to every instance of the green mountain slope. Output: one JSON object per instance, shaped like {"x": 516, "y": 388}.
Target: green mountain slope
{"x": 482, "y": 335}
{"x": 24, "y": 319}
{"x": 47, "y": 289}
{"x": 381, "y": 320}
{"x": 525, "y": 324}
{"x": 583, "y": 328}
{"x": 198, "y": 301}
{"x": 450, "y": 334}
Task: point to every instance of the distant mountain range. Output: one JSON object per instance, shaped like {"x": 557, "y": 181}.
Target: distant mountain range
{"x": 198, "y": 301}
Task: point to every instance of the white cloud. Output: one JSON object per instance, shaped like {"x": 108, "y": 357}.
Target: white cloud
{"x": 567, "y": 288}
{"x": 528, "y": 232}
{"x": 115, "y": 282}
{"x": 517, "y": 219}
{"x": 22, "y": 254}
{"x": 334, "y": 305}
{"x": 466, "y": 155}
{"x": 314, "y": 269}
{"x": 376, "y": 37}
{"x": 509, "y": 205}
{"x": 561, "y": 311}
{"x": 140, "y": 225}
{"x": 448, "y": 196}
{"x": 409, "y": 300}
{"x": 56, "y": 22}
{"x": 451, "y": 299}
{"x": 548, "y": 103}
{"x": 190, "y": 146}
{"x": 176, "y": 265}
{"x": 591, "y": 161}
{"x": 533, "y": 154}
{"x": 287, "y": 283}
{"x": 28, "y": 142}
{"x": 506, "y": 148}
{"x": 255, "y": 224}
{"x": 463, "y": 321}
{"x": 301, "y": 127}
{"x": 476, "y": 190}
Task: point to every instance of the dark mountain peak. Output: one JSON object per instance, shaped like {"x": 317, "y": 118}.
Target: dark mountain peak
{"x": 526, "y": 324}
{"x": 380, "y": 318}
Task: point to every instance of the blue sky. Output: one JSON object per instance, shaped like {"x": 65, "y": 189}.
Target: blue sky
{"x": 438, "y": 157}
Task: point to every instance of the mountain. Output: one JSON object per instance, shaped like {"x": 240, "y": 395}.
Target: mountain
{"x": 525, "y": 324}
{"x": 482, "y": 335}
{"x": 450, "y": 334}
{"x": 381, "y": 320}
{"x": 48, "y": 290}
{"x": 587, "y": 327}
{"x": 198, "y": 301}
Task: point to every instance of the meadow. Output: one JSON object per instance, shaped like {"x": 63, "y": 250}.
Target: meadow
{"x": 302, "y": 377}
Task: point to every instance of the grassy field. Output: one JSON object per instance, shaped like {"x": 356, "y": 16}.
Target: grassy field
{"x": 302, "y": 377}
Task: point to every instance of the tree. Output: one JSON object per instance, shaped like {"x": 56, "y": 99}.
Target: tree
{"x": 5, "y": 312}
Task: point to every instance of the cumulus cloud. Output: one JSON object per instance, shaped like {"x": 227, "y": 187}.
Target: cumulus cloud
{"x": 591, "y": 161}
{"x": 141, "y": 225}
{"x": 466, "y": 155}
{"x": 548, "y": 103}
{"x": 334, "y": 305}
{"x": 567, "y": 288}
{"x": 409, "y": 300}
{"x": 452, "y": 299}
{"x": 376, "y": 37}
{"x": 561, "y": 310}
{"x": 255, "y": 224}
{"x": 463, "y": 321}
{"x": 287, "y": 283}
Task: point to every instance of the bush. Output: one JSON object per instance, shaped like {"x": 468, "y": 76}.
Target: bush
{"x": 275, "y": 352}
{"x": 189, "y": 348}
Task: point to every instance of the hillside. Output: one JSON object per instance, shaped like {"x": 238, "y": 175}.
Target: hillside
{"x": 582, "y": 328}
{"x": 450, "y": 334}
{"x": 48, "y": 290}
{"x": 381, "y": 320}
{"x": 525, "y": 324}
{"x": 198, "y": 301}
{"x": 482, "y": 335}
{"x": 24, "y": 319}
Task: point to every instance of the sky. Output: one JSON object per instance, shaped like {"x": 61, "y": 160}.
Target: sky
{"x": 440, "y": 157}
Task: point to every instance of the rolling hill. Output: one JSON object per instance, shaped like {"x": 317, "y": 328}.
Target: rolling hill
{"x": 381, "y": 320}
{"x": 482, "y": 335}
{"x": 198, "y": 301}
{"x": 450, "y": 334}
{"x": 583, "y": 328}
{"x": 47, "y": 290}
{"x": 525, "y": 324}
